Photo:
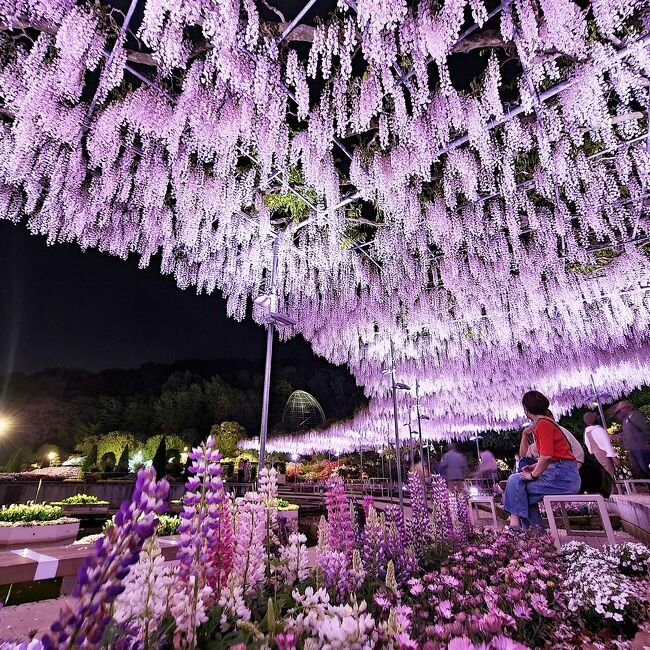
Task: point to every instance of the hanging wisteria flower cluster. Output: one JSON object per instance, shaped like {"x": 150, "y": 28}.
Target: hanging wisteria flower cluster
{"x": 492, "y": 227}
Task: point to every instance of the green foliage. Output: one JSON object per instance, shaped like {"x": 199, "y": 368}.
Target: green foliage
{"x": 115, "y": 442}
{"x": 90, "y": 461}
{"x": 227, "y": 435}
{"x": 286, "y": 202}
{"x": 160, "y": 459}
{"x": 283, "y": 504}
{"x": 78, "y": 500}
{"x": 30, "y": 512}
{"x": 123, "y": 463}
{"x": 108, "y": 462}
{"x": 167, "y": 525}
{"x": 15, "y": 463}
{"x": 171, "y": 441}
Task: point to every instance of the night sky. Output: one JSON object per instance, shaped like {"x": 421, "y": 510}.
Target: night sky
{"x": 61, "y": 307}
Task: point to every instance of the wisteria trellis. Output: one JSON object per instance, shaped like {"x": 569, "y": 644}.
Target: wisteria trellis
{"x": 494, "y": 230}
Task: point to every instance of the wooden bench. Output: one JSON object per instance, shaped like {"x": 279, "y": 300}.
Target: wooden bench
{"x": 29, "y": 565}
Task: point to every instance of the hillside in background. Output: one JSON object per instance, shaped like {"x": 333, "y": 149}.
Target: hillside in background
{"x": 62, "y": 406}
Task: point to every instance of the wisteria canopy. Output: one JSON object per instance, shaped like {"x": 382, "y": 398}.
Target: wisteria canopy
{"x": 463, "y": 177}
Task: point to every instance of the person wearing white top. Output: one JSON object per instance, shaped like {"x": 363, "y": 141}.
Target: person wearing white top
{"x": 599, "y": 443}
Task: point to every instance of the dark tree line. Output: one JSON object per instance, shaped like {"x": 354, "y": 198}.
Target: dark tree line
{"x": 185, "y": 398}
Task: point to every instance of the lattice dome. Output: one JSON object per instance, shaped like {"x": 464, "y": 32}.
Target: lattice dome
{"x": 302, "y": 412}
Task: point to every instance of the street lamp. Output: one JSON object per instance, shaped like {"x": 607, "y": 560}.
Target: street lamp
{"x": 5, "y": 423}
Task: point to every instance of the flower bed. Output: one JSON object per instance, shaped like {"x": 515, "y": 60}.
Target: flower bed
{"x": 428, "y": 582}
{"x": 35, "y": 524}
{"x": 82, "y": 504}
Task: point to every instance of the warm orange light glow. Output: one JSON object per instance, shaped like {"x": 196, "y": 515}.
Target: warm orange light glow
{"x": 5, "y": 424}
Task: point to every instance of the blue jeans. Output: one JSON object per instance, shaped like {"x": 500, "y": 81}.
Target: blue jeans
{"x": 521, "y": 497}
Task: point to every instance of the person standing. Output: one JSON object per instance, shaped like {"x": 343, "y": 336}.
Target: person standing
{"x": 636, "y": 437}
{"x": 599, "y": 443}
{"x": 487, "y": 467}
{"x": 453, "y": 467}
{"x": 555, "y": 472}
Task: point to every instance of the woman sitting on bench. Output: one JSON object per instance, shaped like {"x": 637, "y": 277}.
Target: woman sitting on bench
{"x": 555, "y": 472}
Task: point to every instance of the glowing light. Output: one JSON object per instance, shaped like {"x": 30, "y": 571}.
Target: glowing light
{"x": 473, "y": 491}
{"x": 5, "y": 423}
{"x": 294, "y": 457}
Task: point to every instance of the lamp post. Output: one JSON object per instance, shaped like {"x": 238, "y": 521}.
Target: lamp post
{"x": 269, "y": 299}
{"x": 478, "y": 449}
{"x": 600, "y": 406}
{"x": 420, "y": 418}
{"x": 397, "y": 385}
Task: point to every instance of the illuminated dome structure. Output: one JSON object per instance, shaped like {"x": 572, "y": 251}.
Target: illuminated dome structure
{"x": 302, "y": 412}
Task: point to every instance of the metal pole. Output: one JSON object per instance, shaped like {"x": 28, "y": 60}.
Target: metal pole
{"x": 600, "y": 406}
{"x": 417, "y": 410}
{"x": 381, "y": 455}
{"x": 478, "y": 449}
{"x": 361, "y": 462}
{"x": 397, "y": 447}
{"x": 429, "y": 457}
{"x": 411, "y": 445}
{"x": 267, "y": 366}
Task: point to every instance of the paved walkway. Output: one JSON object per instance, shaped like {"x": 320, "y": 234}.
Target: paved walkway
{"x": 21, "y": 622}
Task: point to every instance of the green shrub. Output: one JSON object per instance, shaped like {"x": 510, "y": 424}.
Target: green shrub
{"x": 167, "y": 525}
{"x": 160, "y": 459}
{"x": 30, "y": 512}
{"x": 78, "y": 500}
{"x": 108, "y": 462}
{"x": 90, "y": 461}
{"x": 123, "y": 463}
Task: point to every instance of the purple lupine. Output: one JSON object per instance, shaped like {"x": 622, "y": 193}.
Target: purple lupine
{"x": 441, "y": 515}
{"x": 336, "y": 569}
{"x": 459, "y": 504}
{"x": 373, "y": 547}
{"x": 100, "y": 579}
{"x": 419, "y": 524}
{"x": 403, "y": 556}
{"x": 199, "y": 525}
{"x": 340, "y": 535}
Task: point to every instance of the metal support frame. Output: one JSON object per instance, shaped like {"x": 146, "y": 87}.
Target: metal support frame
{"x": 400, "y": 484}
{"x": 267, "y": 365}
{"x": 417, "y": 411}
{"x": 111, "y": 55}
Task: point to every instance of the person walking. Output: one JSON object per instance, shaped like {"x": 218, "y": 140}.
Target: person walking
{"x": 636, "y": 437}
{"x": 599, "y": 443}
{"x": 453, "y": 467}
{"x": 555, "y": 472}
{"x": 487, "y": 467}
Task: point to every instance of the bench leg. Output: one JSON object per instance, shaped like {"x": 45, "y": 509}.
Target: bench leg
{"x": 551, "y": 523}
{"x": 494, "y": 515}
{"x": 604, "y": 517}
{"x": 565, "y": 519}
